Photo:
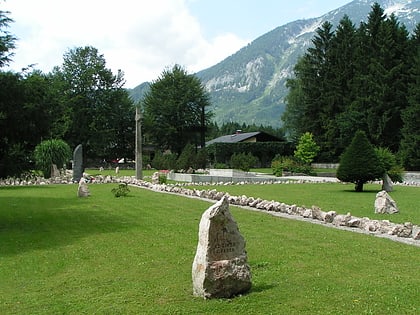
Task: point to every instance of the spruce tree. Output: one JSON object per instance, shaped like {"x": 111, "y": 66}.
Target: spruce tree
{"x": 410, "y": 143}
{"x": 359, "y": 162}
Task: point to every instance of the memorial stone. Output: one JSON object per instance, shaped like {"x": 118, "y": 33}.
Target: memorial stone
{"x": 385, "y": 204}
{"x": 83, "y": 190}
{"x": 220, "y": 268}
{"x": 78, "y": 163}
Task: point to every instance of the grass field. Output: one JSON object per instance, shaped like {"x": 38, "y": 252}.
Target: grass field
{"x": 333, "y": 196}
{"x": 133, "y": 255}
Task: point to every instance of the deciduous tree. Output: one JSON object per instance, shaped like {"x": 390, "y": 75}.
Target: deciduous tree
{"x": 175, "y": 110}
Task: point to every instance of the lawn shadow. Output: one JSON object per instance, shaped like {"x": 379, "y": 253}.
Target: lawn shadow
{"x": 31, "y": 223}
{"x": 262, "y": 287}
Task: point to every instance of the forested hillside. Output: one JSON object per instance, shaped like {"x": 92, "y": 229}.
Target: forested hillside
{"x": 359, "y": 78}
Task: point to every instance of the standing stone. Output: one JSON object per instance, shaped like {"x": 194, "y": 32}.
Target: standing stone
{"x": 78, "y": 163}
{"x": 155, "y": 178}
{"x": 54, "y": 171}
{"x": 387, "y": 184}
{"x": 220, "y": 268}
{"x": 83, "y": 190}
{"x": 384, "y": 203}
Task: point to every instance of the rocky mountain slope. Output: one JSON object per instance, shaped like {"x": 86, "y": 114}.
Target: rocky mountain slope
{"x": 250, "y": 86}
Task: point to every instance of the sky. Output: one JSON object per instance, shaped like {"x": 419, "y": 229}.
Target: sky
{"x": 144, "y": 37}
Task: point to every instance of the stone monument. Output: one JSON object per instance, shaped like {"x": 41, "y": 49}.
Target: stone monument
{"x": 220, "y": 268}
{"x": 55, "y": 172}
{"x": 83, "y": 190}
{"x": 78, "y": 163}
{"x": 384, "y": 203}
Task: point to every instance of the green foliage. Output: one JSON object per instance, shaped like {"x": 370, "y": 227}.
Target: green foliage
{"x": 389, "y": 164}
{"x": 410, "y": 143}
{"x": 29, "y": 112}
{"x": 121, "y": 191}
{"x": 175, "y": 110}
{"x": 187, "y": 158}
{"x": 359, "y": 162}
{"x": 7, "y": 40}
{"x": 263, "y": 151}
{"x": 201, "y": 158}
{"x": 163, "y": 178}
{"x": 356, "y": 79}
{"x": 48, "y": 152}
{"x": 307, "y": 149}
{"x": 191, "y": 157}
{"x": 243, "y": 161}
{"x": 282, "y": 164}
{"x": 101, "y": 112}
{"x": 164, "y": 161}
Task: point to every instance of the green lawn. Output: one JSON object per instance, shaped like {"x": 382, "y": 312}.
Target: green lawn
{"x": 334, "y": 196}
{"x": 104, "y": 255}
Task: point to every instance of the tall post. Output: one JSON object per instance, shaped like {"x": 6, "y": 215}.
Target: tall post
{"x": 139, "y": 158}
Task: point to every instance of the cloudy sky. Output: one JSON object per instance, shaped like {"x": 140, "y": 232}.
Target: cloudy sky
{"x": 143, "y": 37}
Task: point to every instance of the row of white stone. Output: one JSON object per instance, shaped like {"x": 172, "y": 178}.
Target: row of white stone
{"x": 405, "y": 230}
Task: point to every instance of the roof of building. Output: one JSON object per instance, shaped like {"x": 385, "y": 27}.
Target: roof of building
{"x": 241, "y": 137}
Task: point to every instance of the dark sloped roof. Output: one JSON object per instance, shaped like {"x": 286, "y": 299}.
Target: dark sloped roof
{"x": 240, "y": 137}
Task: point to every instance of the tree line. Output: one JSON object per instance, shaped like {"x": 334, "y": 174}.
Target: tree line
{"x": 359, "y": 78}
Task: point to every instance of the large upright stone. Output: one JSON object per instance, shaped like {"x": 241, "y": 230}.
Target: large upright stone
{"x": 77, "y": 163}
{"x": 384, "y": 203}
{"x": 220, "y": 268}
{"x": 387, "y": 184}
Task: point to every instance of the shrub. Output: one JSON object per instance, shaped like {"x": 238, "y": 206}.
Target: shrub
{"x": 166, "y": 161}
{"x": 121, "y": 191}
{"x": 281, "y": 164}
{"x": 48, "y": 152}
{"x": 187, "y": 158}
{"x": 242, "y": 161}
{"x": 359, "y": 163}
{"x": 163, "y": 178}
{"x": 220, "y": 166}
{"x": 307, "y": 149}
{"x": 389, "y": 164}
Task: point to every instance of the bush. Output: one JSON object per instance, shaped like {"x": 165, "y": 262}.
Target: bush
{"x": 166, "y": 161}
{"x": 242, "y": 161}
{"x": 121, "y": 191}
{"x": 307, "y": 149}
{"x": 359, "y": 163}
{"x": 187, "y": 158}
{"x": 49, "y": 152}
{"x": 163, "y": 178}
{"x": 263, "y": 151}
{"x": 281, "y": 164}
{"x": 389, "y": 164}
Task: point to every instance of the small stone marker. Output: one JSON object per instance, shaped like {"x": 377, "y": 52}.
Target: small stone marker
{"x": 54, "y": 171}
{"x": 77, "y": 163}
{"x": 385, "y": 204}
{"x": 83, "y": 190}
{"x": 220, "y": 268}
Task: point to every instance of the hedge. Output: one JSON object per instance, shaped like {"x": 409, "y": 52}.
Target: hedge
{"x": 264, "y": 151}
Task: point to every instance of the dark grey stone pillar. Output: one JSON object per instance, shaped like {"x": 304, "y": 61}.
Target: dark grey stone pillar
{"x": 78, "y": 163}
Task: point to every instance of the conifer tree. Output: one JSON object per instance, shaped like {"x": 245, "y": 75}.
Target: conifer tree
{"x": 410, "y": 143}
{"x": 359, "y": 162}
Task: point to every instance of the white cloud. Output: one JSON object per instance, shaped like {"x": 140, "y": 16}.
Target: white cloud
{"x": 139, "y": 37}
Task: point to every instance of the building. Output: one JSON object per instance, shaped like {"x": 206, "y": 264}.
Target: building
{"x": 257, "y": 136}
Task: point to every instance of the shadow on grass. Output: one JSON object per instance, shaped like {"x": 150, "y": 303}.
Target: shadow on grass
{"x": 53, "y": 219}
{"x": 262, "y": 287}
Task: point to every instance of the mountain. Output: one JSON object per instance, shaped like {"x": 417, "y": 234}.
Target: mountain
{"x": 250, "y": 85}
